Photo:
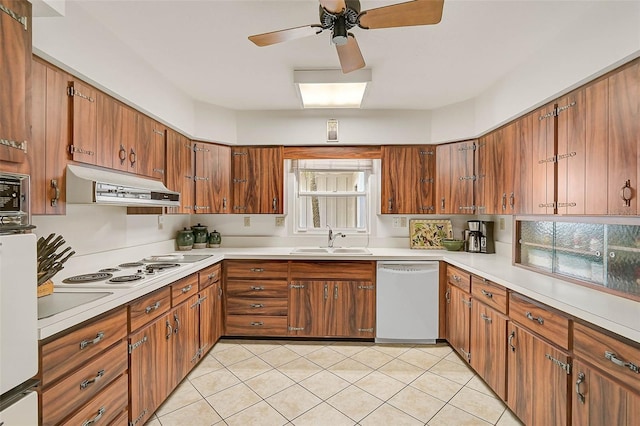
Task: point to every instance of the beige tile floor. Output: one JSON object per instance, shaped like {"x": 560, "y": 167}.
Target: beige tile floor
{"x": 266, "y": 382}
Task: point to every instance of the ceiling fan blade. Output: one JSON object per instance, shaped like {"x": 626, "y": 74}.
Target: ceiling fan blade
{"x": 334, "y": 6}
{"x": 350, "y": 56}
{"x": 274, "y": 37}
{"x": 417, "y": 12}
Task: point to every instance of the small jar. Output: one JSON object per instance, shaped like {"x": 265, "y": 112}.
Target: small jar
{"x": 184, "y": 240}
{"x": 200, "y": 235}
{"x": 215, "y": 239}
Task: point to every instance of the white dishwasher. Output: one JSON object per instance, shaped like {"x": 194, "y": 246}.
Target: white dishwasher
{"x": 407, "y": 297}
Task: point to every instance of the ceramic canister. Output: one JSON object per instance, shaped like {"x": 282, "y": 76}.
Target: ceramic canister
{"x": 215, "y": 239}
{"x": 184, "y": 239}
{"x": 200, "y": 235}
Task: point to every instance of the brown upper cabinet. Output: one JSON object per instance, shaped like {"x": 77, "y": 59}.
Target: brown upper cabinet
{"x": 213, "y": 172}
{"x": 408, "y": 179}
{"x": 495, "y": 167}
{"x": 455, "y": 178}
{"x": 84, "y": 119}
{"x": 180, "y": 171}
{"x": 257, "y": 178}
{"x": 150, "y": 141}
{"x": 15, "y": 68}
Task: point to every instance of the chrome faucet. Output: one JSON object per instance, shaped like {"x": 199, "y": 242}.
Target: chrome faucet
{"x": 333, "y": 236}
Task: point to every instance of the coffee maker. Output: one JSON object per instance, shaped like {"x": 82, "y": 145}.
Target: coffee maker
{"x": 474, "y": 236}
{"x": 479, "y": 237}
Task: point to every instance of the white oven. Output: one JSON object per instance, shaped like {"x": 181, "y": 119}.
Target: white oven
{"x": 18, "y": 329}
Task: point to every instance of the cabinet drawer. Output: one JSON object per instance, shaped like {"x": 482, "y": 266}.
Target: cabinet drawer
{"x": 256, "y": 269}
{"x": 209, "y": 276}
{"x": 105, "y": 407}
{"x": 619, "y": 358}
{"x": 256, "y": 325}
{"x": 489, "y": 293}
{"x": 149, "y": 307}
{"x": 183, "y": 289}
{"x": 459, "y": 278}
{"x": 256, "y": 288}
{"x": 79, "y": 387}
{"x": 540, "y": 319}
{"x": 257, "y": 306}
{"x": 330, "y": 270}
{"x": 66, "y": 353}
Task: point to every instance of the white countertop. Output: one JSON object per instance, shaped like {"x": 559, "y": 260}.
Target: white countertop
{"x": 619, "y": 315}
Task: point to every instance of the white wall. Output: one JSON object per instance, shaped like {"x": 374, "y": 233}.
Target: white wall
{"x": 309, "y": 127}
{"x": 78, "y": 43}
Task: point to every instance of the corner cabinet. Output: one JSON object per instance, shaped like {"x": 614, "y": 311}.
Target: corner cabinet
{"x": 332, "y": 299}
{"x": 408, "y": 179}
{"x": 257, "y": 180}
{"x": 179, "y": 174}
{"x": 458, "y": 310}
{"x": 212, "y": 176}
{"x": 455, "y": 177}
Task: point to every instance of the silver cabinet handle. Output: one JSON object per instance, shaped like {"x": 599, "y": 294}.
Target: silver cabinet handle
{"x": 530, "y": 316}
{"x": 87, "y": 382}
{"x": 56, "y": 192}
{"x": 122, "y": 154}
{"x": 296, "y": 285}
{"x": 186, "y": 289}
{"x": 512, "y": 335}
{"x": 486, "y": 293}
{"x": 442, "y": 203}
{"x": 224, "y": 203}
{"x": 617, "y": 361}
{"x": 326, "y": 291}
{"x": 274, "y": 204}
{"x": 132, "y": 157}
{"x": 512, "y": 200}
{"x": 580, "y": 380}
{"x": 626, "y": 193}
{"x": 390, "y": 205}
{"x": 175, "y": 318}
{"x": 447, "y": 296}
{"x": 96, "y": 418}
{"x": 504, "y": 201}
{"x": 169, "y": 330}
{"x": 257, "y": 269}
{"x": 456, "y": 278}
{"x": 486, "y": 318}
{"x": 256, "y": 288}
{"x": 256, "y": 305}
{"x": 86, "y": 343}
{"x": 335, "y": 291}
{"x": 212, "y": 276}
{"x": 151, "y": 308}
{"x": 257, "y": 324}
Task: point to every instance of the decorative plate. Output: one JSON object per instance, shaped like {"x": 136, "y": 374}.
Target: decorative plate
{"x": 429, "y": 233}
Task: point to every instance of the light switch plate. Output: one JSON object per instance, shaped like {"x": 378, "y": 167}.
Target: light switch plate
{"x": 279, "y": 220}
{"x": 247, "y": 221}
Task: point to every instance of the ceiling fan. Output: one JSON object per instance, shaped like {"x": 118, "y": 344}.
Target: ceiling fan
{"x": 340, "y": 16}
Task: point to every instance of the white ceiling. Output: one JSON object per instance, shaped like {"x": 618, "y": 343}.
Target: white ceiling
{"x": 202, "y": 47}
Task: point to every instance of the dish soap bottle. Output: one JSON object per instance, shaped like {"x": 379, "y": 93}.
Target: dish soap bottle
{"x": 215, "y": 239}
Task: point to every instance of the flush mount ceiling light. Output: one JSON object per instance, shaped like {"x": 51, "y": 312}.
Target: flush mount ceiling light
{"x": 331, "y": 88}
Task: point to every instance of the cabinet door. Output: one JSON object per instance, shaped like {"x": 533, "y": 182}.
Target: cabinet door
{"x": 257, "y": 179}
{"x": 523, "y": 165}
{"x": 149, "y": 369}
{"x": 15, "y": 63}
{"x": 37, "y": 167}
{"x": 462, "y": 177}
{"x": 149, "y": 147}
{"x": 306, "y": 307}
{"x": 185, "y": 341}
{"x": 488, "y": 347}
{"x": 443, "y": 179}
{"x": 543, "y": 160}
{"x": 84, "y": 118}
{"x": 599, "y": 400}
{"x": 458, "y": 320}
{"x": 111, "y": 151}
{"x": 508, "y": 170}
{"x": 488, "y": 183}
{"x": 220, "y": 183}
{"x": 210, "y": 317}
{"x": 205, "y": 162}
{"x": 571, "y": 153}
{"x": 596, "y": 148}
{"x": 408, "y": 179}
{"x": 354, "y": 314}
{"x": 179, "y": 173}
{"x": 537, "y": 380}
{"x": 624, "y": 140}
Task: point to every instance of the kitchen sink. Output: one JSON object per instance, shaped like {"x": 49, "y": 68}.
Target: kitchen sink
{"x": 331, "y": 250}
{"x": 60, "y": 301}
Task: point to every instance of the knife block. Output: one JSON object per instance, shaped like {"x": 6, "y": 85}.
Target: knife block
{"x": 45, "y": 289}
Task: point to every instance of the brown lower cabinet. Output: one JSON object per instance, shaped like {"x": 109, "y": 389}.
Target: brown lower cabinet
{"x": 458, "y": 315}
{"x": 537, "y": 379}
{"x": 488, "y": 346}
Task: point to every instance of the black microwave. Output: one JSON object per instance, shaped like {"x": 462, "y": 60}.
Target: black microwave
{"x": 14, "y": 203}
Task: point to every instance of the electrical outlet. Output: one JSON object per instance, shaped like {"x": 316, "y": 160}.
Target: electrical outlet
{"x": 247, "y": 221}
{"x": 403, "y": 222}
{"x": 396, "y": 222}
{"x": 160, "y": 221}
{"x": 279, "y": 220}
{"x": 501, "y": 224}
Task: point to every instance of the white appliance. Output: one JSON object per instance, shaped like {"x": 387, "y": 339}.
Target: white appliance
{"x": 18, "y": 329}
{"x": 407, "y": 302}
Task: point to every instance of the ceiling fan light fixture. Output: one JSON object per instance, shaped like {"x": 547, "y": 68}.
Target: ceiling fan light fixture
{"x": 339, "y": 34}
{"x": 331, "y": 88}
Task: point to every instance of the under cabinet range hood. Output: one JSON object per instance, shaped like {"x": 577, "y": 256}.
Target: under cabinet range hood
{"x": 86, "y": 185}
